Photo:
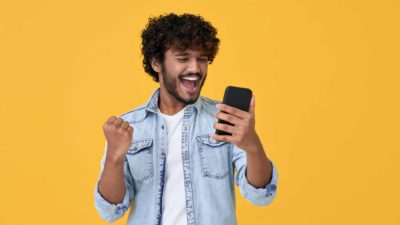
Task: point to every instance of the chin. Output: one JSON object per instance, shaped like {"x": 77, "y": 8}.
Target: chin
{"x": 189, "y": 100}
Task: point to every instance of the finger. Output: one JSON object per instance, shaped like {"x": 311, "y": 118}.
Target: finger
{"x": 232, "y": 110}
{"x": 111, "y": 119}
{"x": 125, "y": 125}
{"x": 226, "y": 138}
{"x": 129, "y": 129}
{"x": 252, "y": 104}
{"x": 118, "y": 122}
{"x": 224, "y": 127}
{"x": 227, "y": 117}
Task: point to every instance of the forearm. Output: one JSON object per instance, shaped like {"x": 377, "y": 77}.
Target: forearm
{"x": 112, "y": 183}
{"x": 259, "y": 169}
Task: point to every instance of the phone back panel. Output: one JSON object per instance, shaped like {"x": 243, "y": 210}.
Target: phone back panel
{"x": 237, "y": 97}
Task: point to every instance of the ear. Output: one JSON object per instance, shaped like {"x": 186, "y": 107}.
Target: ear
{"x": 155, "y": 64}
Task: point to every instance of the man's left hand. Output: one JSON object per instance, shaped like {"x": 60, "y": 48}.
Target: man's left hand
{"x": 243, "y": 129}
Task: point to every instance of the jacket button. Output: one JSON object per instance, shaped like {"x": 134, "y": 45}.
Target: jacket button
{"x": 162, "y": 126}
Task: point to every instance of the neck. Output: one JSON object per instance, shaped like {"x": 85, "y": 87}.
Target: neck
{"x": 168, "y": 104}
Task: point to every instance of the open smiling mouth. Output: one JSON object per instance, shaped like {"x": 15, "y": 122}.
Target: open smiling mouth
{"x": 191, "y": 83}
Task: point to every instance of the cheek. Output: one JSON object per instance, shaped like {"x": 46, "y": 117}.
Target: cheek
{"x": 176, "y": 71}
{"x": 204, "y": 69}
{"x": 173, "y": 65}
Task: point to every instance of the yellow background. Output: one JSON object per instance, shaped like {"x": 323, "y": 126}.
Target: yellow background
{"x": 325, "y": 75}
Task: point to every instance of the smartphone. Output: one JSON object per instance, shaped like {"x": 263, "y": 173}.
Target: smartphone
{"x": 237, "y": 97}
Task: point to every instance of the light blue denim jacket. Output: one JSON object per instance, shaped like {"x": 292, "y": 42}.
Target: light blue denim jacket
{"x": 211, "y": 168}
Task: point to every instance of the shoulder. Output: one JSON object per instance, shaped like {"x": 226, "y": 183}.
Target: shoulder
{"x": 134, "y": 115}
{"x": 209, "y": 105}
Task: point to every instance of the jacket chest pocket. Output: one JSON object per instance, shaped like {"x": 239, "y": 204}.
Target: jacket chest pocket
{"x": 140, "y": 158}
{"x": 214, "y": 157}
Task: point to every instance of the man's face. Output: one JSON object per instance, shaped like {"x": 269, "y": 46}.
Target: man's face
{"x": 183, "y": 74}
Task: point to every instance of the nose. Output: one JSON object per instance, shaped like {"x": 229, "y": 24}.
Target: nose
{"x": 194, "y": 66}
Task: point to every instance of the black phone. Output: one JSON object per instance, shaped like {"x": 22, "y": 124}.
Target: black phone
{"x": 237, "y": 97}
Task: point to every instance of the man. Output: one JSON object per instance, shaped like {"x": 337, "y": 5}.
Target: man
{"x": 162, "y": 158}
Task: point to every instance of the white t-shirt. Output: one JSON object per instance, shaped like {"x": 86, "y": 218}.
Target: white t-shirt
{"x": 174, "y": 206}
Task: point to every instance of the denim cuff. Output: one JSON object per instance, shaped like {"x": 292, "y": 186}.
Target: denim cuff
{"x": 110, "y": 211}
{"x": 260, "y": 196}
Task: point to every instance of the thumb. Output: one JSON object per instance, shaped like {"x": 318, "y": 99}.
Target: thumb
{"x": 252, "y": 105}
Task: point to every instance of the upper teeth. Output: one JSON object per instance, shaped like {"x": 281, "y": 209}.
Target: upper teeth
{"x": 191, "y": 78}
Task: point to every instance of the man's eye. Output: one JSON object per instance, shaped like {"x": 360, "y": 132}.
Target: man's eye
{"x": 203, "y": 60}
{"x": 182, "y": 59}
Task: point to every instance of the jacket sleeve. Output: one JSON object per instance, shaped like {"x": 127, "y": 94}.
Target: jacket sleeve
{"x": 109, "y": 211}
{"x": 257, "y": 196}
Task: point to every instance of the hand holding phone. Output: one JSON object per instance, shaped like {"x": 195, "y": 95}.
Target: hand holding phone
{"x": 237, "y": 97}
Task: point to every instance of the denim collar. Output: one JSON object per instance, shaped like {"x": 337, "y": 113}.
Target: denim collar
{"x": 152, "y": 104}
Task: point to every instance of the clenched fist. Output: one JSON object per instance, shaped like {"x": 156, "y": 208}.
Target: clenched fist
{"x": 119, "y": 137}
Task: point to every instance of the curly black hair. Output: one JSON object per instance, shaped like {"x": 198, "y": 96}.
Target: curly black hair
{"x": 179, "y": 32}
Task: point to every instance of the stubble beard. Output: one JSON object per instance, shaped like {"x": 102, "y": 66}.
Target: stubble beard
{"x": 170, "y": 85}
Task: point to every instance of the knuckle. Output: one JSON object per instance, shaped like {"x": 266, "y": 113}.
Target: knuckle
{"x": 119, "y": 131}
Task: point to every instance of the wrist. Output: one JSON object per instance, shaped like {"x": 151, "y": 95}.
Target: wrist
{"x": 115, "y": 159}
{"x": 255, "y": 152}
{"x": 256, "y": 148}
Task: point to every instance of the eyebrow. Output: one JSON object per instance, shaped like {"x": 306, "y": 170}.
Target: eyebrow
{"x": 182, "y": 54}
{"x": 186, "y": 54}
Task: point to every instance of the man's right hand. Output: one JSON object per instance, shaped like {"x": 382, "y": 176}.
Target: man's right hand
{"x": 119, "y": 137}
